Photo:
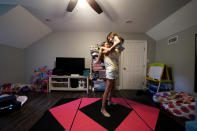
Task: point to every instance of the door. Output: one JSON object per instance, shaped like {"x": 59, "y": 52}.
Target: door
{"x": 133, "y": 64}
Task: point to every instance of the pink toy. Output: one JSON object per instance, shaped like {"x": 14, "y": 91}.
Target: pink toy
{"x": 41, "y": 79}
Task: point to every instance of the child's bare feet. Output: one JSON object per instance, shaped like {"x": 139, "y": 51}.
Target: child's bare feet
{"x": 105, "y": 113}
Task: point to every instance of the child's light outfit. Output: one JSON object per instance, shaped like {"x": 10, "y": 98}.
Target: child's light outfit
{"x": 119, "y": 48}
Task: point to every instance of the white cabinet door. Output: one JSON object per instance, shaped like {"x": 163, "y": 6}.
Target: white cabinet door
{"x": 133, "y": 64}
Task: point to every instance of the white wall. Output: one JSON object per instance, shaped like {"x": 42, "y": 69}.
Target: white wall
{"x": 70, "y": 44}
{"x": 12, "y": 64}
{"x": 180, "y": 57}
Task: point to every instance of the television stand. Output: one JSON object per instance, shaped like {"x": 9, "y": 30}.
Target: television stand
{"x": 63, "y": 83}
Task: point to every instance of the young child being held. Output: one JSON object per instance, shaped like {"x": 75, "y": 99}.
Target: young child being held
{"x": 116, "y": 41}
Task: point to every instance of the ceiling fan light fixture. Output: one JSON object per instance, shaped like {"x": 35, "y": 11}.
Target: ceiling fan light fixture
{"x": 95, "y": 6}
{"x": 82, "y": 3}
{"x": 71, "y": 5}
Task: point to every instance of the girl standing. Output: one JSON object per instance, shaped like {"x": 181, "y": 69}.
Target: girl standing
{"x": 111, "y": 66}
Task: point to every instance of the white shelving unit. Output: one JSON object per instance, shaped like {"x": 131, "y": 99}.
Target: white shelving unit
{"x": 63, "y": 83}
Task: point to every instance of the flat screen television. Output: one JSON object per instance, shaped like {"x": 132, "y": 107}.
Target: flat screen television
{"x": 71, "y": 65}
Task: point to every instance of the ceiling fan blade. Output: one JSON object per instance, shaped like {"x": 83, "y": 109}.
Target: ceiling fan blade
{"x": 71, "y": 5}
{"x": 95, "y": 6}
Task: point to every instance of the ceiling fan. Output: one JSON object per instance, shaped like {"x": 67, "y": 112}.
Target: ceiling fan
{"x": 92, "y": 3}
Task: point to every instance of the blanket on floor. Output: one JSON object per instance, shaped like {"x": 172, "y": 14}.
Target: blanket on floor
{"x": 177, "y": 103}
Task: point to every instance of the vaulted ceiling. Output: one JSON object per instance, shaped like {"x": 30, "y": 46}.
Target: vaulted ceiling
{"x": 136, "y": 16}
{"x": 144, "y": 14}
{"x": 19, "y": 28}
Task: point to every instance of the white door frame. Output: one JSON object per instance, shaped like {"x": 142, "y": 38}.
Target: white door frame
{"x": 121, "y": 63}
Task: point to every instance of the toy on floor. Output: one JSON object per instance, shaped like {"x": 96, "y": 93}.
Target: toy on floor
{"x": 8, "y": 88}
{"x": 41, "y": 79}
{"x": 9, "y": 103}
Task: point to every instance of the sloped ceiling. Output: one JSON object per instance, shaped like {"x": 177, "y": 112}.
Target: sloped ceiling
{"x": 182, "y": 19}
{"x": 19, "y": 28}
{"x": 142, "y": 14}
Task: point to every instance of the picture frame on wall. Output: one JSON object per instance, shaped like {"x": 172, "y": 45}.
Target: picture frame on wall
{"x": 195, "y": 82}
